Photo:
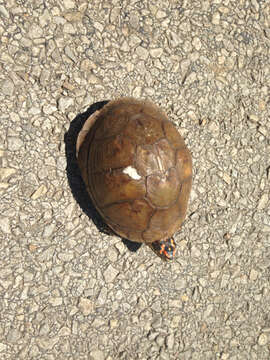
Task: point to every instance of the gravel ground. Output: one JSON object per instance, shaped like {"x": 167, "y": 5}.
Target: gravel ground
{"x": 69, "y": 290}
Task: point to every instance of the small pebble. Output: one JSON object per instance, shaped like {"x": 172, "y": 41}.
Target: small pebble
{"x": 5, "y": 224}
{"x": 216, "y": 18}
{"x": 5, "y": 173}
{"x": 41, "y": 191}
{"x": 97, "y": 355}
{"x": 86, "y": 306}
{"x": 110, "y": 274}
{"x": 263, "y": 201}
{"x": 64, "y": 103}
{"x": 142, "y": 52}
{"x": 7, "y": 88}
{"x": 14, "y": 143}
{"x": 263, "y": 339}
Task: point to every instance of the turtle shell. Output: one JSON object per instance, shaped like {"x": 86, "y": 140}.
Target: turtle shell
{"x": 136, "y": 168}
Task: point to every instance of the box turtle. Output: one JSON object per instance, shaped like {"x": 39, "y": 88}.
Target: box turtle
{"x": 137, "y": 171}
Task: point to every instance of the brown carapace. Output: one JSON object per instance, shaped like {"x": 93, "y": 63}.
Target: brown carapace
{"x": 137, "y": 171}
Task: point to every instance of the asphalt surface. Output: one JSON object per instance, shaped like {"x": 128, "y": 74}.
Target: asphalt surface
{"x": 70, "y": 290}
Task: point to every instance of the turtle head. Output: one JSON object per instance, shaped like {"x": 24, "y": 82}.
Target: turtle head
{"x": 164, "y": 248}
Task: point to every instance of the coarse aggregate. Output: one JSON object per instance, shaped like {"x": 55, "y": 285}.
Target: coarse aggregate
{"x": 68, "y": 289}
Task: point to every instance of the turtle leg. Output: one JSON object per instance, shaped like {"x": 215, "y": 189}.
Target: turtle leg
{"x": 164, "y": 248}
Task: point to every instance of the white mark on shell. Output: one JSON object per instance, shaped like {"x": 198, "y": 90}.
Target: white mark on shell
{"x": 132, "y": 172}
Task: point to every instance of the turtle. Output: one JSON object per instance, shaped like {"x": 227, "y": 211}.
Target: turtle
{"x": 137, "y": 171}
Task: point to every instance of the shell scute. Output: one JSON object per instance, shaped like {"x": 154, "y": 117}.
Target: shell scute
{"x": 115, "y": 186}
{"x": 133, "y": 215}
{"x": 111, "y": 153}
{"x": 163, "y": 189}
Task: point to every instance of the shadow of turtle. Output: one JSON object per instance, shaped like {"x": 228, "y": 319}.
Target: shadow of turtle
{"x": 75, "y": 180}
